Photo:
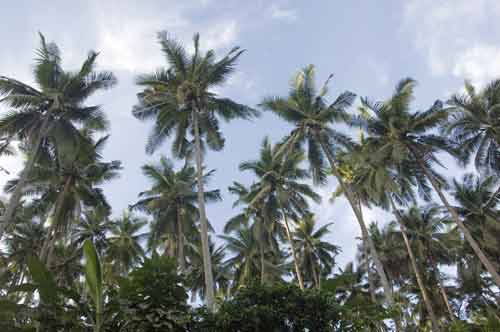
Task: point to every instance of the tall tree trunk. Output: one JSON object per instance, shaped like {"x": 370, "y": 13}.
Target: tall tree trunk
{"x": 315, "y": 275}
{"x": 262, "y": 234}
{"x": 359, "y": 217}
{"x": 420, "y": 280}
{"x": 58, "y": 210}
{"x": 442, "y": 290}
{"x": 262, "y": 263}
{"x": 23, "y": 179}
{"x": 371, "y": 288}
{"x": 207, "y": 262}
{"x": 294, "y": 251}
{"x": 180, "y": 240}
{"x": 468, "y": 236}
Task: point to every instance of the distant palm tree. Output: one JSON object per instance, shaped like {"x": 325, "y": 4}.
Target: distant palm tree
{"x": 125, "y": 250}
{"x": 246, "y": 259}
{"x": 66, "y": 181}
{"x": 426, "y": 228}
{"x": 264, "y": 223}
{"x": 25, "y": 239}
{"x": 403, "y": 135}
{"x": 393, "y": 253}
{"x": 278, "y": 189}
{"x": 182, "y": 102}
{"x": 94, "y": 225}
{"x": 51, "y": 112}
{"x": 377, "y": 181}
{"x": 317, "y": 257}
{"x": 478, "y": 205}
{"x": 195, "y": 271}
{"x": 172, "y": 200}
{"x": 475, "y": 124}
{"x": 312, "y": 115}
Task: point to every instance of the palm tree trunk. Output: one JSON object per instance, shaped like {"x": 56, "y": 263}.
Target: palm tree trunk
{"x": 180, "y": 240}
{"x": 262, "y": 263}
{"x": 420, "y": 281}
{"x": 468, "y": 236}
{"x": 23, "y": 179}
{"x": 58, "y": 209}
{"x": 371, "y": 288}
{"x": 294, "y": 251}
{"x": 315, "y": 275}
{"x": 441, "y": 288}
{"x": 359, "y": 217}
{"x": 207, "y": 262}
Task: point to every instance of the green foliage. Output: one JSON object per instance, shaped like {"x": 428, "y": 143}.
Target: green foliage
{"x": 44, "y": 281}
{"x": 152, "y": 298}
{"x": 285, "y": 308}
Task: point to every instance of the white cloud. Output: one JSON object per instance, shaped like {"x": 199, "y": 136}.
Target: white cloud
{"x": 281, "y": 13}
{"x": 127, "y": 40}
{"x": 220, "y": 35}
{"x": 479, "y": 63}
{"x": 453, "y": 36}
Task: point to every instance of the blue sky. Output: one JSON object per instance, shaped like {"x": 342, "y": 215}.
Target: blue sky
{"x": 367, "y": 45}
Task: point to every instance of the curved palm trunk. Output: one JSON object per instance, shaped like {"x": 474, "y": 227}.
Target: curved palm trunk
{"x": 180, "y": 240}
{"x": 442, "y": 290}
{"x": 294, "y": 252}
{"x": 364, "y": 231}
{"x": 420, "y": 280}
{"x": 207, "y": 262}
{"x": 23, "y": 179}
{"x": 468, "y": 236}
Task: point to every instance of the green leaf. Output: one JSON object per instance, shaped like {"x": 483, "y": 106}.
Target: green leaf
{"x": 93, "y": 273}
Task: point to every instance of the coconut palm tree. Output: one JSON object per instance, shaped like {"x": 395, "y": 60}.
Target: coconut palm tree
{"x": 172, "y": 200}
{"x": 401, "y": 134}
{"x": 94, "y": 225}
{"x": 317, "y": 257}
{"x": 25, "y": 239}
{"x": 312, "y": 116}
{"x": 264, "y": 223}
{"x": 246, "y": 261}
{"x": 66, "y": 181}
{"x": 478, "y": 205}
{"x": 184, "y": 105}
{"x": 377, "y": 181}
{"x": 125, "y": 250}
{"x": 426, "y": 228}
{"x": 278, "y": 188}
{"x": 51, "y": 111}
{"x": 195, "y": 267}
{"x": 474, "y": 124}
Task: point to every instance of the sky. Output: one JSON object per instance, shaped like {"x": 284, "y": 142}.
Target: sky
{"x": 368, "y": 46}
